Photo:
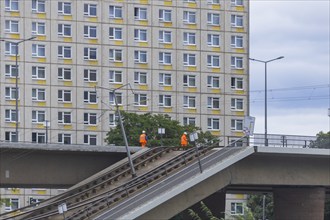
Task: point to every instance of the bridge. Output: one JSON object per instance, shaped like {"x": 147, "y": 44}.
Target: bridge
{"x": 170, "y": 180}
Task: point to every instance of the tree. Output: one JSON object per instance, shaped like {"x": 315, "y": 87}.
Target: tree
{"x": 255, "y": 203}
{"x": 135, "y": 123}
{"x": 322, "y": 141}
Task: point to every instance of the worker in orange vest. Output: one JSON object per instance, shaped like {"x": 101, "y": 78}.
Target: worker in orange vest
{"x": 184, "y": 140}
{"x": 143, "y": 139}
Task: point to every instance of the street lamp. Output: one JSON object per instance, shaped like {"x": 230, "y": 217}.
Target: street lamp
{"x": 16, "y": 43}
{"x": 265, "y": 62}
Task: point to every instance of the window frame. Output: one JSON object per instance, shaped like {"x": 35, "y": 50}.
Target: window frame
{"x": 213, "y": 124}
{"x": 141, "y": 35}
{"x": 189, "y": 80}
{"x": 139, "y": 76}
{"x": 10, "y": 5}
{"x": 140, "y": 99}
{"x": 90, "y": 75}
{"x": 64, "y": 95}
{"x": 212, "y": 39}
{"x": 64, "y": 30}
{"x": 140, "y": 56}
{"x": 90, "y": 10}
{"x": 11, "y": 71}
{"x": 189, "y": 38}
{"x": 64, "y": 8}
{"x": 114, "y": 54}
{"x": 236, "y": 124}
{"x": 165, "y": 100}
{"x": 115, "y": 12}
{"x": 237, "y": 104}
{"x": 64, "y": 118}
{"x": 90, "y": 118}
{"x": 90, "y": 53}
{"x": 38, "y": 95}
{"x": 165, "y": 15}
{"x": 38, "y": 28}
{"x": 90, "y": 96}
{"x": 189, "y": 102}
{"x": 164, "y": 57}
{"x": 62, "y": 73}
{"x": 38, "y": 6}
{"x": 38, "y": 50}
{"x": 140, "y": 14}
{"x": 237, "y": 21}
{"x": 40, "y": 137}
{"x": 189, "y": 121}
{"x": 64, "y": 138}
{"x": 163, "y": 37}
{"x": 213, "y": 102}
{"x": 236, "y": 41}
{"x": 62, "y": 52}
{"x": 113, "y": 33}
{"x": 213, "y": 19}
{"x": 10, "y": 93}
{"x": 188, "y": 58}
{"x": 237, "y": 83}
{"x": 119, "y": 98}
{"x": 113, "y": 74}
{"x": 38, "y": 116}
{"x": 189, "y": 17}
{"x": 237, "y": 62}
{"x": 90, "y": 31}
{"x": 10, "y": 115}
{"x": 163, "y": 79}
{"x": 213, "y": 60}
{"x": 11, "y": 26}
{"x": 212, "y": 80}
{"x": 90, "y": 139}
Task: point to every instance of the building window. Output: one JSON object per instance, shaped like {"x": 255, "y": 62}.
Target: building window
{"x": 64, "y": 138}
{"x": 11, "y": 26}
{"x": 11, "y": 5}
{"x": 213, "y": 40}
{"x": 38, "y": 50}
{"x": 236, "y": 41}
{"x": 38, "y": 6}
{"x": 237, "y": 83}
{"x": 38, "y": 116}
{"x": 165, "y": 15}
{"x": 189, "y": 17}
{"x": 64, "y": 8}
{"x": 165, "y": 58}
{"x": 213, "y": 82}
{"x": 213, "y": 2}
{"x": 113, "y": 120}
{"x": 190, "y": 1}
{"x": 11, "y": 204}
{"x": 140, "y": 78}
{"x": 90, "y": 10}
{"x": 118, "y": 96}
{"x": 115, "y": 33}
{"x": 64, "y": 52}
{"x": 165, "y": 100}
{"x": 90, "y": 31}
{"x": 38, "y": 28}
{"x": 237, "y": 2}
{"x": 10, "y": 115}
{"x": 10, "y": 93}
{"x": 11, "y": 71}
{"x": 213, "y": 124}
{"x": 189, "y": 101}
{"x": 64, "y": 74}
{"x": 237, "y": 125}
{"x": 90, "y": 139}
{"x": 11, "y": 48}
{"x": 140, "y": 13}
{"x": 38, "y": 72}
{"x": 115, "y": 12}
{"x": 64, "y": 30}
{"x": 90, "y": 75}
{"x": 236, "y": 20}
{"x": 236, "y": 104}
{"x": 10, "y": 136}
{"x": 165, "y": 37}
{"x": 140, "y": 35}
{"x": 140, "y": 99}
{"x": 90, "y": 53}
{"x": 213, "y": 61}
{"x": 90, "y": 97}
{"x": 189, "y": 59}
{"x": 189, "y": 80}
{"x": 237, "y": 62}
{"x": 38, "y": 94}
{"x": 213, "y": 19}
{"x": 38, "y": 137}
{"x": 189, "y": 121}
{"x": 64, "y": 117}
{"x": 90, "y": 118}
{"x": 115, "y": 76}
{"x": 116, "y": 55}
{"x": 189, "y": 38}
{"x": 165, "y": 79}
{"x": 213, "y": 102}
{"x": 64, "y": 95}
{"x": 140, "y": 56}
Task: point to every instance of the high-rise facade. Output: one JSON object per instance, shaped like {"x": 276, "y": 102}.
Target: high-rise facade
{"x": 184, "y": 58}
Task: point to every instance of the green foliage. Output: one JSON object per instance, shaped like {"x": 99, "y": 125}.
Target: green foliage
{"x": 322, "y": 141}
{"x": 134, "y": 124}
{"x": 255, "y": 203}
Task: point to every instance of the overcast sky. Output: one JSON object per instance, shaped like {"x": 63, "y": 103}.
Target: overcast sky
{"x": 298, "y": 85}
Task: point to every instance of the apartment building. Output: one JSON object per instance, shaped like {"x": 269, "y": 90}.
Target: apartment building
{"x": 184, "y": 58}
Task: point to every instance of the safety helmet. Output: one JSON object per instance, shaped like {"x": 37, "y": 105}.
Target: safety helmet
{"x": 185, "y": 133}
{"x": 143, "y": 132}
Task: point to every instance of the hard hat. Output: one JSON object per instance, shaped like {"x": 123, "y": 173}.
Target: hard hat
{"x": 143, "y": 132}
{"x": 184, "y": 132}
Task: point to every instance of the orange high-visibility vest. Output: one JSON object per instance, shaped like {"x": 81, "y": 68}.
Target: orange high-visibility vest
{"x": 184, "y": 140}
{"x": 143, "y": 139}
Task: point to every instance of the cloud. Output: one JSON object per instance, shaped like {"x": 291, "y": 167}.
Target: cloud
{"x": 295, "y": 121}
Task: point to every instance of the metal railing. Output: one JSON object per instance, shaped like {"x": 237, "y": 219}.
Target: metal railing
{"x": 275, "y": 140}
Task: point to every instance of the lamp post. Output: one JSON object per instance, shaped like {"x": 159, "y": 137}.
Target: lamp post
{"x": 16, "y": 43}
{"x": 265, "y": 62}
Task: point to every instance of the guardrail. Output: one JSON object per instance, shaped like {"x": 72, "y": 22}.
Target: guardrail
{"x": 275, "y": 140}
